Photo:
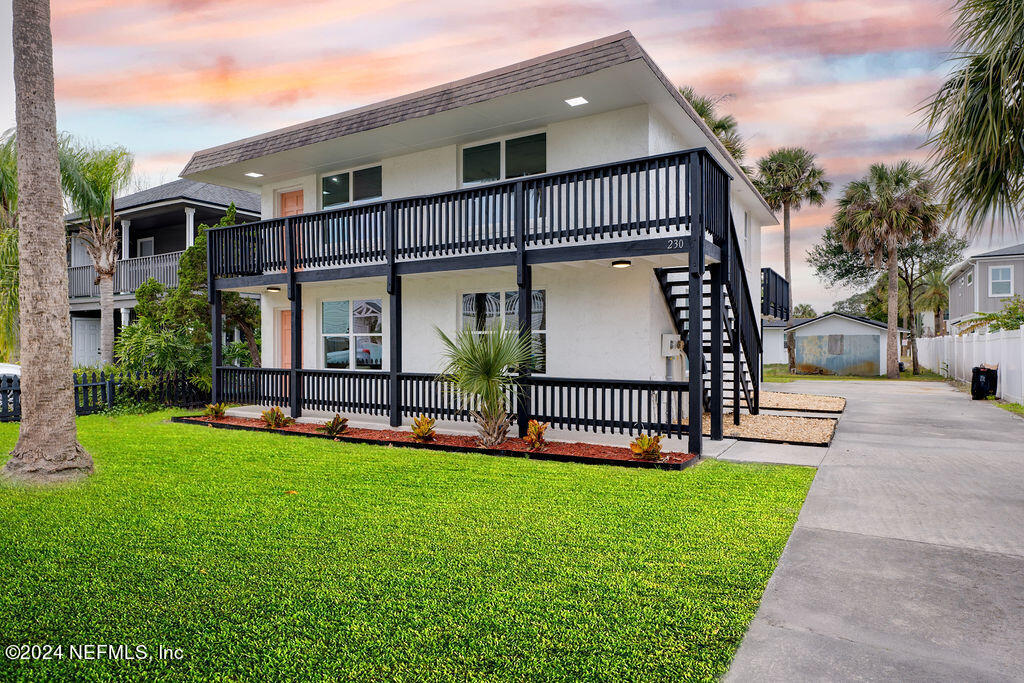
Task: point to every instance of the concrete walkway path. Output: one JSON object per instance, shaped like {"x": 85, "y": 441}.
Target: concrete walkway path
{"x": 907, "y": 561}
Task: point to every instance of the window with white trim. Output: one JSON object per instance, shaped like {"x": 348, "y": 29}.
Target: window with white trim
{"x": 351, "y": 334}
{"x": 484, "y": 312}
{"x": 348, "y": 187}
{"x": 970, "y": 279}
{"x": 504, "y": 159}
{"x": 1000, "y": 281}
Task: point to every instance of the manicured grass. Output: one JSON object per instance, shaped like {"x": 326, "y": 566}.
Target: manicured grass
{"x": 263, "y": 555}
{"x": 779, "y": 373}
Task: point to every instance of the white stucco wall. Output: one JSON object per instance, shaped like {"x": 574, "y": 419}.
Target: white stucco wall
{"x": 602, "y": 322}
{"x": 774, "y": 346}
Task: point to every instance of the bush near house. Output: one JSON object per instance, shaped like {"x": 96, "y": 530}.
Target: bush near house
{"x": 323, "y": 560}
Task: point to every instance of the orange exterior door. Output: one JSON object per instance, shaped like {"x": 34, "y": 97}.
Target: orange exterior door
{"x": 286, "y": 339}
{"x": 291, "y": 203}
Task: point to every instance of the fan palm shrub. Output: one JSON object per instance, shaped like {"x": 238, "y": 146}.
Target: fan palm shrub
{"x": 481, "y": 368}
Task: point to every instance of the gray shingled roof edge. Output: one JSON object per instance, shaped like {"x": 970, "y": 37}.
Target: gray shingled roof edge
{"x": 596, "y": 55}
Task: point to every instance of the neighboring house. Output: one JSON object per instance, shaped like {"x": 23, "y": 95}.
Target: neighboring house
{"x": 156, "y": 226}
{"x": 981, "y": 283}
{"x": 834, "y": 343}
{"x": 570, "y": 180}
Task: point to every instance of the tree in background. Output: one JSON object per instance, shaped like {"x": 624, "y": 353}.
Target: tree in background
{"x": 724, "y": 126}
{"x": 106, "y": 173}
{"x": 976, "y": 119}
{"x": 934, "y": 296}
{"x": 880, "y": 215}
{"x": 1009, "y": 317}
{"x": 788, "y": 178}
{"x": 171, "y": 332}
{"x": 852, "y": 305}
{"x": 804, "y": 311}
{"x": 47, "y": 449}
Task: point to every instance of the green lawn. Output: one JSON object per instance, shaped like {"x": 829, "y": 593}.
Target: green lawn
{"x": 384, "y": 564}
{"x": 1016, "y": 408}
{"x": 778, "y": 372}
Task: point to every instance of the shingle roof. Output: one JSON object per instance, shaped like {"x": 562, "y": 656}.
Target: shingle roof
{"x": 785, "y": 323}
{"x": 1014, "y": 250}
{"x": 557, "y": 66}
{"x": 572, "y": 62}
{"x": 190, "y": 189}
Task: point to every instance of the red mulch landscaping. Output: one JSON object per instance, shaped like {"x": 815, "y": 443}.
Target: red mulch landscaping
{"x": 387, "y": 436}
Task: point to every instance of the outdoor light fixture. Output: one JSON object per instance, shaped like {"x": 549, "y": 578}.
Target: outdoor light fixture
{"x": 254, "y": 174}
{"x": 273, "y": 290}
{"x": 623, "y": 263}
{"x": 576, "y": 101}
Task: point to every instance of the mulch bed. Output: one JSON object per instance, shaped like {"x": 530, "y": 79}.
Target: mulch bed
{"x": 806, "y": 403}
{"x": 798, "y": 431}
{"x": 561, "y": 451}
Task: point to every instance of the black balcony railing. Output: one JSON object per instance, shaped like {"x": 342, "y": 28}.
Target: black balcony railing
{"x": 643, "y": 198}
{"x": 130, "y": 273}
{"x": 774, "y": 295}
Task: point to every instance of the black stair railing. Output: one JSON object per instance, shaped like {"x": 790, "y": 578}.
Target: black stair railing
{"x": 775, "y": 301}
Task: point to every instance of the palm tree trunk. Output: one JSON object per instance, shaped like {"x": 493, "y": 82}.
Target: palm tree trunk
{"x": 788, "y": 267}
{"x": 892, "y": 346}
{"x": 47, "y": 449}
{"x": 250, "y": 340}
{"x": 940, "y": 324}
{"x": 106, "y": 318}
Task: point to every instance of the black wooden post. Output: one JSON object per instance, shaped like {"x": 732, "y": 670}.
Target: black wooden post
{"x": 524, "y": 282}
{"x": 717, "y": 355}
{"x": 295, "y": 296}
{"x": 737, "y": 364}
{"x": 217, "y": 340}
{"x": 695, "y": 293}
{"x": 394, "y": 287}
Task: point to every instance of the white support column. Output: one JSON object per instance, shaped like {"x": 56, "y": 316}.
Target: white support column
{"x": 125, "y": 315}
{"x": 125, "y": 242}
{"x": 190, "y": 226}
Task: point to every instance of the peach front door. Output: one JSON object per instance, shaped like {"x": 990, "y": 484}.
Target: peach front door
{"x": 291, "y": 203}
{"x": 286, "y": 339}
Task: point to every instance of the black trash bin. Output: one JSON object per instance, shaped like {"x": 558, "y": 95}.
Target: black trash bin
{"x": 983, "y": 383}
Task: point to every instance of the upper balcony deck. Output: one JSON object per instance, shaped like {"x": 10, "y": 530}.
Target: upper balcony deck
{"x": 130, "y": 273}
{"x": 639, "y": 207}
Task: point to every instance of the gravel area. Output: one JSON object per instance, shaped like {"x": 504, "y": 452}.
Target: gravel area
{"x": 778, "y": 428}
{"x": 781, "y": 400}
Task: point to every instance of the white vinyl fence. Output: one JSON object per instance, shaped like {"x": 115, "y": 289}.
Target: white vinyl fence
{"x": 955, "y": 355}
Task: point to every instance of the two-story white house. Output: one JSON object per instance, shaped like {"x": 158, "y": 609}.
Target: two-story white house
{"x": 580, "y": 180}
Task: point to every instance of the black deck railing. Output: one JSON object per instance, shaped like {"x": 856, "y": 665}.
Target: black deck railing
{"x": 642, "y": 198}
{"x": 774, "y": 295}
{"x": 746, "y": 325}
{"x": 593, "y": 405}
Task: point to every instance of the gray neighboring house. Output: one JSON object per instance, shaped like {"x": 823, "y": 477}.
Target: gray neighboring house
{"x": 156, "y": 226}
{"x": 981, "y": 283}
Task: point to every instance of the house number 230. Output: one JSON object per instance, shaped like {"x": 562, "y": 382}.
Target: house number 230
{"x": 677, "y": 244}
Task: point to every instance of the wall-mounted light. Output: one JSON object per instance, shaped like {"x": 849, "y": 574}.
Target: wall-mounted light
{"x": 273, "y": 290}
{"x": 576, "y": 101}
{"x": 622, "y": 263}
{"x": 254, "y": 174}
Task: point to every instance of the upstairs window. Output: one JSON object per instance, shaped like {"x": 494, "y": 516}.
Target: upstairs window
{"x": 1000, "y": 281}
{"x": 504, "y": 159}
{"x": 489, "y": 311}
{"x": 361, "y": 185}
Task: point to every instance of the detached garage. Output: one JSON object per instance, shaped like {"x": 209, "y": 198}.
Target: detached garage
{"x": 831, "y": 344}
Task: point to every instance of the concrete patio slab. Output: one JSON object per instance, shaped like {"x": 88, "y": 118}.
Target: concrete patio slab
{"x": 907, "y": 561}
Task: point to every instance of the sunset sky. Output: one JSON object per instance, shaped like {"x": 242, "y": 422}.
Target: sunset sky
{"x": 843, "y": 78}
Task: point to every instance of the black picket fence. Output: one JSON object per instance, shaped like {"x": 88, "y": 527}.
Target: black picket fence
{"x": 99, "y": 391}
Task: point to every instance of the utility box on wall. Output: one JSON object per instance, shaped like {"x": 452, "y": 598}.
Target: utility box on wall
{"x": 671, "y": 345}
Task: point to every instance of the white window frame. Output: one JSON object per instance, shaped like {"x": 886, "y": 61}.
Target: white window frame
{"x": 993, "y": 295}
{"x": 506, "y": 323}
{"x": 351, "y": 334}
{"x": 351, "y": 187}
{"x": 138, "y": 246}
{"x": 970, "y": 279}
{"x": 502, "y": 139}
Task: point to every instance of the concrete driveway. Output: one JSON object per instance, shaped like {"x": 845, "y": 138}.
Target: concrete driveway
{"x": 907, "y": 561}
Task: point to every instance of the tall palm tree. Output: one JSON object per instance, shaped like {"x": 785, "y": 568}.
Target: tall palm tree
{"x": 788, "y": 178}
{"x": 882, "y": 213}
{"x": 725, "y": 127}
{"x": 106, "y": 172}
{"x": 47, "y": 448}
{"x": 976, "y": 119}
{"x": 934, "y": 296}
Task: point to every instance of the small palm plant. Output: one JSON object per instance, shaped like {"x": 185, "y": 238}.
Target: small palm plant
{"x": 481, "y": 368}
